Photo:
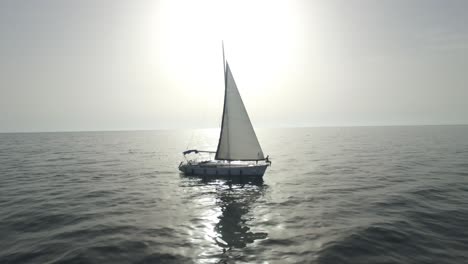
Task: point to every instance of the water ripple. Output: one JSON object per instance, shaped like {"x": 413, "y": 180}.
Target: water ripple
{"x": 333, "y": 195}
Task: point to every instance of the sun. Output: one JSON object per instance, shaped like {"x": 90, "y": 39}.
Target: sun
{"x": 259, "y": 39}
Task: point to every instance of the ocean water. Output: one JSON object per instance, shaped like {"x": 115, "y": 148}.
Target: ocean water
{"x": 332, "y": 195}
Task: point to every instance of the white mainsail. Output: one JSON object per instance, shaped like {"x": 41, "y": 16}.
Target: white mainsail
{"x": 237, "y": 138}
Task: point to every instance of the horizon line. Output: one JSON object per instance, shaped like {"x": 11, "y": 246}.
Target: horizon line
{"x": 204, "y": 128}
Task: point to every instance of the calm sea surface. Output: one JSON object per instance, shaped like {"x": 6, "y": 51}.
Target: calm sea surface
{"x": 332, "y": 195}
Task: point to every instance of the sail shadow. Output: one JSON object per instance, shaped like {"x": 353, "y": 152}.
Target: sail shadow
{"x": 233, "y": 230}
{"x": 234, "y": 199}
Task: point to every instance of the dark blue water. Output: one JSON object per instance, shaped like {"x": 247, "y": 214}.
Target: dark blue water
{"x": 333, "y": 195}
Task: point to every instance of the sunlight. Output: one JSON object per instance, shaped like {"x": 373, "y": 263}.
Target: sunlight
{"x": 259, "y": 39}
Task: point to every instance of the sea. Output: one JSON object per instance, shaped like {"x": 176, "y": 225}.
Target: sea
{"x": 332, "y": 195}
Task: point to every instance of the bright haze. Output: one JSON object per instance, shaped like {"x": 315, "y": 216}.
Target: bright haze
{"x": 124, "y": 65}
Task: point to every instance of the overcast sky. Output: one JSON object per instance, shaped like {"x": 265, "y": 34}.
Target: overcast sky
{"x": 119, "y": 65}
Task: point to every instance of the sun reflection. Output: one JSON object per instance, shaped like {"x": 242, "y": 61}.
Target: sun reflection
{"x": 222, "y": 227}
{"x": 232, "y": 228}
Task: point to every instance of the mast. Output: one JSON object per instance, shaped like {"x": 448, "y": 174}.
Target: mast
{"x": 224, "y": 103}
{"x": 224, "y": 62}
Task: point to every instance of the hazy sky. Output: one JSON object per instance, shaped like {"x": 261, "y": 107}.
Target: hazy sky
{"x": 111, "y": 65}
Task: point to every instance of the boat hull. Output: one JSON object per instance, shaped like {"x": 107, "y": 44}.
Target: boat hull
{"x": 223, "y": 169}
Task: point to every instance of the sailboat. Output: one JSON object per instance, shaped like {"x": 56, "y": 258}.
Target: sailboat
{"x": 238, "y": 151}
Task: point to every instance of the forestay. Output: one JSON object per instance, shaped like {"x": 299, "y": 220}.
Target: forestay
{"x": 237, "y": 138}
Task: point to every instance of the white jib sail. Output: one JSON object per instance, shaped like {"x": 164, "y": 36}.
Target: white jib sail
{"x": 237, "y": 138}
